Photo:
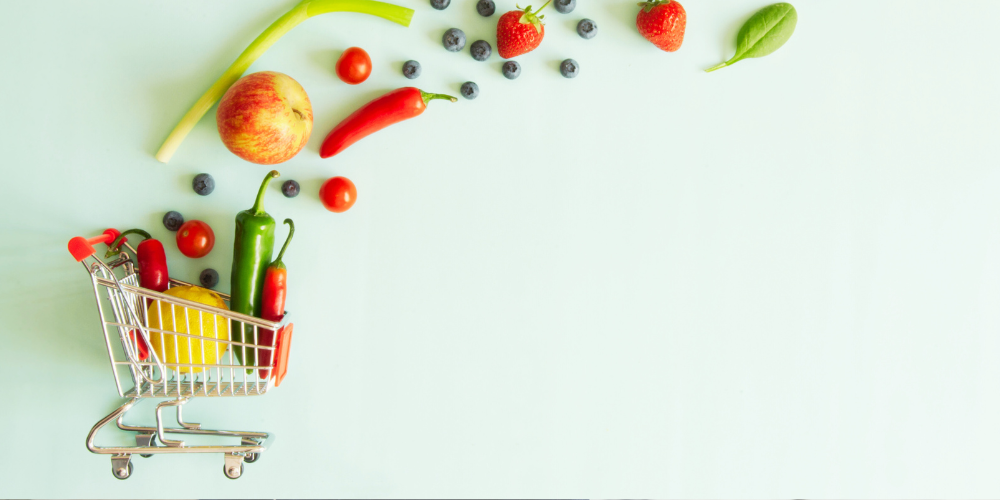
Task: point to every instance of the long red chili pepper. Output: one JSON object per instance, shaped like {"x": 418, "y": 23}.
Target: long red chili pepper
{"x": 273, "y": 299}
{"x": 394, "y": 107}
{"x": 152, "y": 261}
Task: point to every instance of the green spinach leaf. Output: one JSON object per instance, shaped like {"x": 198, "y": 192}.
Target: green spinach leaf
{"x": 765, "y": 32}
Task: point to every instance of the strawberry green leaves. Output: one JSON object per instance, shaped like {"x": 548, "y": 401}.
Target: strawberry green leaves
{"x": 533, "y": 18}
{"x": 765, "y": 32}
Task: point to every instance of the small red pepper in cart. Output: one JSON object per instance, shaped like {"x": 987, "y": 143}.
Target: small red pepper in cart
{"x": 152, "y": 261}
{"x": 394, "y": 107}
{"x": 273, "y": 299}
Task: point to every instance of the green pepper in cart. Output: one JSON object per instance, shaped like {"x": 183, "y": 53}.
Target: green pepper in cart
{"x": 251, "y": 255}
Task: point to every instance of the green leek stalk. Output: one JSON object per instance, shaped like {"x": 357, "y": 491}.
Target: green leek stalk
{"x": 302, "y": 11}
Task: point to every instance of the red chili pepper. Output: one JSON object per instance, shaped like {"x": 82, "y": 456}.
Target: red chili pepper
{"x": 273, "y": 299}
{"x": 394, "y": 107}
{"x": 152, "y": 261}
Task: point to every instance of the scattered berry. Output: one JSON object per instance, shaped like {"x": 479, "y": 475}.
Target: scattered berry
{"x": 569, "y": 68}
{"x": 440, "y": 4}
{"x": 565, "y": 6}
{"x": 470, "y": 90}
{"x": 203, "y": 184}
{"x": 519, "y": 32}
{"x": 453, "y": 40}
{"x": 511, "y": 70}
{"x": 486, "y": 8}
{"x": 586, "y": 28}
{"x": 480, "y": 50}
{"x": 411, "y": 69}
{"x": 209, "y": 278}
{"x": 662, "y": 22}
{"x": 290, "y": 189}
{"x": 173, "y": 220}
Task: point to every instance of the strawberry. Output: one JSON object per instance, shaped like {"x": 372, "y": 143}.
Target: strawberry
{"x": 520, "y": 32}
{"x": 662, "y": 22}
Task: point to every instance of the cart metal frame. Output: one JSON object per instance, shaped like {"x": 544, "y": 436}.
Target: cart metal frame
{"x": 156, "y": 374}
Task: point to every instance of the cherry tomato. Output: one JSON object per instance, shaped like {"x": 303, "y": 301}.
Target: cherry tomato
{"x": 338, "y": 194}
{"x": 354, "y": 66}
{"x": 195, "y": 239}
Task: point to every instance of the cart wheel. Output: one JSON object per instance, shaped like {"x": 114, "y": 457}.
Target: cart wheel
{"x": 232, "y": 472}
{"x": 152, "y": 442}
{"x": 251, "y": 457}
{"x": 122, "y": 473}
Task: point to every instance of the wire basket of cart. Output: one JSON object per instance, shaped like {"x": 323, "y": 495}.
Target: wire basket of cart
{"x": 168, "y": 347}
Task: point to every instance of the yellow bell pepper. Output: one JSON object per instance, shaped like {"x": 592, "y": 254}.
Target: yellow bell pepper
{"x": 186, "y": 350}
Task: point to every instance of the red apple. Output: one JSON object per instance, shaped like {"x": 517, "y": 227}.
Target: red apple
{"x": 265, "y": 118}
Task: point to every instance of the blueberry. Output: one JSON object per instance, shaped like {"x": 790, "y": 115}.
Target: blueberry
{"x": 411, "y": 69}
{"x": 480, "y": 50}
{"x": 586, "y": 28}
{"x": 569, "y": 68}
{"x": 486, "y": 8}
{"x": 203, "y": 184}
{"x": 290, "y": 189}
{"x": 565, "y": 6}
{"x": 209, "y": 278}
{"x": 470, "y": 90}
{"x": 173, "y": 220}
{"x": 454, "y": 40}
{"x": 440, "y": 4}
{"x": 511, "y": 69}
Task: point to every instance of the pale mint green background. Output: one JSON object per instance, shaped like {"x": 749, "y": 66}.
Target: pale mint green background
{"x": 778, "y": 280}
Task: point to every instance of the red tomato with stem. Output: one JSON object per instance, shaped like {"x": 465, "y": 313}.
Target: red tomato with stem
{"x": 354, "y": 66}
{"x": 195, "y": 239}
{"x": 338, "y": 194}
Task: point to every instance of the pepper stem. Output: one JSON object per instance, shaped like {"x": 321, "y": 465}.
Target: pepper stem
{"x": 258, "y": 206}
{"x": 115, "y": 247}
{"x": 291, "y": 232}
{"x": 429, "y": 97}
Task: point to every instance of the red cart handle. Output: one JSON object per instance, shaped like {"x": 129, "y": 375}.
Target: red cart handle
{"x": 281, "y": 348}
{"x": 81, "y": 248}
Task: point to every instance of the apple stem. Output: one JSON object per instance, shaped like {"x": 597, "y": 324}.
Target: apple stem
{"x": 302, "y": 11}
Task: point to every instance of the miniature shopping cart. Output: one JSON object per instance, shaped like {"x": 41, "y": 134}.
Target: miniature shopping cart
{"x": 208, "y": 368}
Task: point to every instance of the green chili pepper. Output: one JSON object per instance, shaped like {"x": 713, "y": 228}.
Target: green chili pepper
{"x": 251, "y": 256}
